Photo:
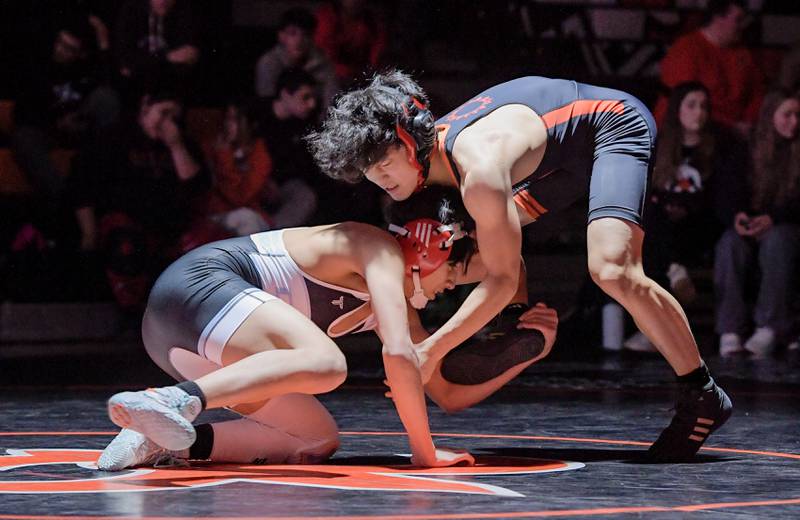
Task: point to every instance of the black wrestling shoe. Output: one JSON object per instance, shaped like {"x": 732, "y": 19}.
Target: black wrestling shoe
{"x": 494, "y": 349}
{"x": 698, "y": 413}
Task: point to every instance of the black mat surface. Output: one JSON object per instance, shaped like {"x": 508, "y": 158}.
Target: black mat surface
{"x": 565, "y": 440}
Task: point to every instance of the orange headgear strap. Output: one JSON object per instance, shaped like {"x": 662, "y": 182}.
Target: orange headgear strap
{"x": 411, "y": 144}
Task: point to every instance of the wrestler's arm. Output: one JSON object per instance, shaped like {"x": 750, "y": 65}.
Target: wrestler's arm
{"x": 383, "y": 270}
{"x": 485, "y": 158}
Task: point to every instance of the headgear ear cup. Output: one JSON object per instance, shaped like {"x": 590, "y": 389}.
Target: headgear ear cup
{"x": 426, "y": 245}
{"x": 416, "y": 129}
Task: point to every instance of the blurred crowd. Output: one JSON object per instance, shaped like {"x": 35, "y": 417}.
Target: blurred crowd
{"x": 128, "y": 166}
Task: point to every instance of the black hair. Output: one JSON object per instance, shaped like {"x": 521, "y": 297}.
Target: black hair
{"x": 360, "y": 126}
{"x": 292, "y": 79}
{"x": 720, "y": 8}
{"x": 443, "y": 204}
{"x": 298, "y": 17}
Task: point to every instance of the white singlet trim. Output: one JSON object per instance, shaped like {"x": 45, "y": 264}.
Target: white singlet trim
{"x": 281, "y": 276}
{"x": 222, "y": 326}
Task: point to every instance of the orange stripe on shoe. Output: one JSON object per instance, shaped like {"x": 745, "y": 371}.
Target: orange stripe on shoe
{"x": 702, "y": 420}
{"x": 696, "y": 438}
{"x": 698, "y": 429}
{"x": 582, "y": 107}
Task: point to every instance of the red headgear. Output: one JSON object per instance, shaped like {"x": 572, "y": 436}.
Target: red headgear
{"x": 426, "y": 245}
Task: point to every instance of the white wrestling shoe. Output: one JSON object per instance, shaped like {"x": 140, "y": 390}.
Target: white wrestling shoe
{"x": 730, "y": 344}
{"x": 163, "y": 415}
{"x": 762, "y": 342}
{"x": 130, "y": 449}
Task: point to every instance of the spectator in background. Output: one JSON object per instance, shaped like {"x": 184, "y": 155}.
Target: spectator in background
{"x": 715, "y": 56}
{"x": 768, "y": 232}
{"x": 352, "y": 36}
{"x": 284, "y": 120}
{"x": 156, "y": 38}
{"x": 698, "y": 186}
{"x": 789, "y": 76}
{"x": 240, "y": 168}
{"x": 63, "y": 100}
{"x": 296, "y": 49}
{"x": 134, "y": 191}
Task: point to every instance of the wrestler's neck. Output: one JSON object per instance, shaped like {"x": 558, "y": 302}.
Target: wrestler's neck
{"x": 439, "y": 172}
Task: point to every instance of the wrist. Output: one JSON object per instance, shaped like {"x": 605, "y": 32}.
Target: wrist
{"x": 422, "y": 454}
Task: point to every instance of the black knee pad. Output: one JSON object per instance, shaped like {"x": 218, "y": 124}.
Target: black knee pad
{"x": 494, "y": 349}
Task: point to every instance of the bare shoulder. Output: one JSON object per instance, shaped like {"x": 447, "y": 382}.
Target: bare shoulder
{"x": 498, "y": 140}
{"x": 515, "y": 121}
{"x": 337, "y": 252}
{"x": 366, "y": 239}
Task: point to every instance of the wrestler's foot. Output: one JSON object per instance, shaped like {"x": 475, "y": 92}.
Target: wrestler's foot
{"x": 494, "y": 349}
{"x": 164, "y": 415}
{"x": 698, "y": 413}
{"x": 130, "y": 449}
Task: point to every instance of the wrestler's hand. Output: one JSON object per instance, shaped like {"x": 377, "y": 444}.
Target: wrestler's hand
{"x": 760, "y": 225}
{"x": 545, "y": 320}
{"x": 427, "y": 364}
{"x": 445, "y": 457}
{"x": 741, "y": 223}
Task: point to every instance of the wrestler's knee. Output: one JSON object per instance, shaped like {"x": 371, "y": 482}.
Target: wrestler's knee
{"x": 316, "y": 451}
{"x": 616, "y": 276}
{"x": 328, "y": 366}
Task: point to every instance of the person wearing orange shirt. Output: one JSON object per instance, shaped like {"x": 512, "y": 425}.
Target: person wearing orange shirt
{"x": 714, "y": 56}
{"x": 241, "y": 167}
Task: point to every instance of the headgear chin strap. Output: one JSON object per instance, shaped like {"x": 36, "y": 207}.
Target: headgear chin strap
{"x": 426, "y": 245}
{"x": 416, "y": 129}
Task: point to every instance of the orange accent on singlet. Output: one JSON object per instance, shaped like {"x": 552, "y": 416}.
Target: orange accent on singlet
{"x": 582, "y": 107}
{"x": 443, "y": 153}
{"x": 531, "y": 206}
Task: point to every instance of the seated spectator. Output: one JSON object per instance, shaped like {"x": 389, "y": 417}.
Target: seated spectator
{"x": 698, "y": 185}
{"x": 789, "y": 75}
{"x": 767, "y": 233}
{"x": 240, "y": 168}
{"x": 714, "y": 56}
{"x": 156, "y": 38}
{"x": 295, "y": 49}
{"x": 134, "y": 190}
{"x": 352, "y": 36}
{"x": 283, "y": 121}
{"x": 63, "y": 100}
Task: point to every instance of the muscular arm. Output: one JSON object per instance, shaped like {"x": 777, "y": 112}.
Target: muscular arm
{"x": 384, "y": 271}
{"x": 486, "y": 154}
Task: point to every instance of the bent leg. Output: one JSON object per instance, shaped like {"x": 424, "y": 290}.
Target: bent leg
{"x": 275, "y": 351}
{"x": 289, "y": 429}
{"x": 615, "y": 264}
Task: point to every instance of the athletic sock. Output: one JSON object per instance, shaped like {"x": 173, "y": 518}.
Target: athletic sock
{"x": 191, "y": 388}
{"x": 201, "y": 449}
{"x": 699, "y": 378}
